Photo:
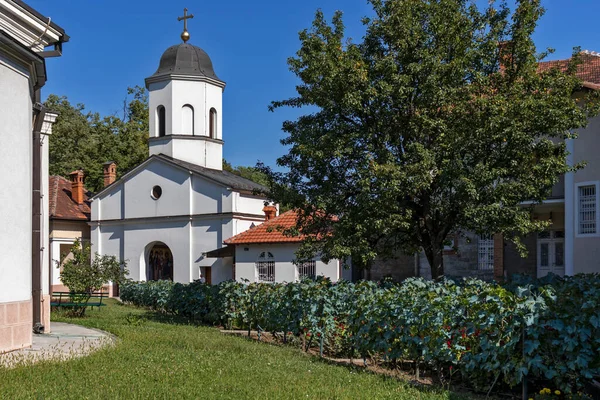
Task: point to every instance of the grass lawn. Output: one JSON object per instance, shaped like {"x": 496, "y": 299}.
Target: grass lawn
{"x": 160, "y": 358}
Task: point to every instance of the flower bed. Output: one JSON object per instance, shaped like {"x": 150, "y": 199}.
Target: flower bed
{"x": 481, "y": 333}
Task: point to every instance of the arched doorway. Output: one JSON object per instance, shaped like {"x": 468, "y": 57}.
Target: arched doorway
{"x": 159, "y": 264}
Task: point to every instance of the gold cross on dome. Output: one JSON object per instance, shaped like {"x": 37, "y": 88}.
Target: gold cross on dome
{"x": 185, "y": 36}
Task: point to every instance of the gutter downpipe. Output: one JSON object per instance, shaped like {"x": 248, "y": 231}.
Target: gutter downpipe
{"x": 37, "y": 244}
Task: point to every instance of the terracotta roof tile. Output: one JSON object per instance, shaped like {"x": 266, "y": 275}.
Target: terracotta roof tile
{"x": 62, "y": 205}
{"x": 269, "y": 231}
{"x": 588, "y": 71}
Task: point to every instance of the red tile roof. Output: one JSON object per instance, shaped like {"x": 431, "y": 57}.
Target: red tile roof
{"x": 269, "y": 231}
{"x": 62, "y": 205}
{"x": 588, "y": 71}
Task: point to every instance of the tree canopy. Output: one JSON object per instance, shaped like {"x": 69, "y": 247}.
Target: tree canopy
{"x": 84, "y": 140}
{"x": 438, "y": 121}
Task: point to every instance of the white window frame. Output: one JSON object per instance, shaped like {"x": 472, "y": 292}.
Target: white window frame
{"x": 577, "y": 202}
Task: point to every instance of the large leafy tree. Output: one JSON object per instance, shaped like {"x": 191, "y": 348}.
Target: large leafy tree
{"x": 85, "y": 140}
{"x": 437, "y": 121}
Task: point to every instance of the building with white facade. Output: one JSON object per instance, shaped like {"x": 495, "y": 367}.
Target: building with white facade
{"x": 25, "y": 124}
{"x": 165, "y": 214}
{"x": 265, "y": 253}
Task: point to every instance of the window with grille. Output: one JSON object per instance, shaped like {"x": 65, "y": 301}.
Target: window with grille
{"x": 485, "y": 250}
{"x": 587, "y": 210}
{"x": 307, "y": 270}
{"x": 265, "y": 267}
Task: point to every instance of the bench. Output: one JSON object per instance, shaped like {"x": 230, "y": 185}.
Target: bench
{"x": 77, "y": 299}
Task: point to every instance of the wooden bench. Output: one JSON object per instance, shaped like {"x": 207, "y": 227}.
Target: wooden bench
{"x": 77, "y": 299}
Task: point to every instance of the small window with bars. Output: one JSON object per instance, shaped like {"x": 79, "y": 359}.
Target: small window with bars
{"x": 265, "y": 267}
{"x": 485, "y": 251}
{"x": 587, "y": 210}
{"x": 307, "y": 270}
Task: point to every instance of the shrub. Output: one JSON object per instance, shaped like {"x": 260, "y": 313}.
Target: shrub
{"x": 483, "y": 333}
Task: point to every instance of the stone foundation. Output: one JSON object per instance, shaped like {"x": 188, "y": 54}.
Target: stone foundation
{"x": 15, "y": 325}
{"x": 46, "y": 313}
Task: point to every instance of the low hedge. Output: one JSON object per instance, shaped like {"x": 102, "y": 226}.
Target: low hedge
{"x": 483, "y": 333}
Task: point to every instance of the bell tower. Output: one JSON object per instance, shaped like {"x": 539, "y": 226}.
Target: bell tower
{"x": 185, "y": 104}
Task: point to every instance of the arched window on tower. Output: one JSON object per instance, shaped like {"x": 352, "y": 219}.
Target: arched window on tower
{"x": 212, "y": 124}
{"x": 161, "y": 121}
{"x": 187, "y": 120}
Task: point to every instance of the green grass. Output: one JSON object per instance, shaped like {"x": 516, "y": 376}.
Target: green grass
{"x": 158, "y": 357}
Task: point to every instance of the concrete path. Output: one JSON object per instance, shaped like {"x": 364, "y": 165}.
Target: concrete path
{"x": 64, "y": 342}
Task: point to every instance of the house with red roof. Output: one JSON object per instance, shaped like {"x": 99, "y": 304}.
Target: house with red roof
{"x": 69, "y": 206}
{"x": 266, "y": 253}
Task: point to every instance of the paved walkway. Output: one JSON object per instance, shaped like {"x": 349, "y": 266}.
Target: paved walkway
{"x": 64, "y": 342}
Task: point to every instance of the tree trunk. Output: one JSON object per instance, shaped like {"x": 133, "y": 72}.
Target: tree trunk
{"x": 435, "y": 257}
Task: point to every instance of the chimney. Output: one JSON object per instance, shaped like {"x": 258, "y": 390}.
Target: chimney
{"x": 270, "y": 212}
{"x": 77, "y": 186}
{"x": 110, "y": 172}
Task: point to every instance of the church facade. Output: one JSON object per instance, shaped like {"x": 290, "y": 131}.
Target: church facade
{"x": 163, "y": 216}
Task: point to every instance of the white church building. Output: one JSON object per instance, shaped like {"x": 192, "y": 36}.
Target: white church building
{"x": 163, "y": 216}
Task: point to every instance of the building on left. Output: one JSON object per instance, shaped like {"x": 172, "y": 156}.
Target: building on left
{"x": 27, "y": 38}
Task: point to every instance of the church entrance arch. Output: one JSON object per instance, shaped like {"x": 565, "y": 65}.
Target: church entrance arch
{"x": 159, "y": 262}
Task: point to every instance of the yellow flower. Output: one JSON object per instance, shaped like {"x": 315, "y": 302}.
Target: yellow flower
{"x": 557, "y": 392}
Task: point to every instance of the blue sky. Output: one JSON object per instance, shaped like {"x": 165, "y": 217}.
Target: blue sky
{"x": 116, "y": 44}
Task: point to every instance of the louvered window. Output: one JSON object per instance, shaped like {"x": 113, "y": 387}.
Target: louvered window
{"x": 485, "y": 251}
{"x": 587, "y": 210}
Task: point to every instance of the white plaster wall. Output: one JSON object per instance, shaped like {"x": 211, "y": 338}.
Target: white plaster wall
{"x": 249, "y": 204}
{"x": 16, "y": 167}
{"x": 109, "y": 206}
{"x": 137, "y": 237}
{"x": 242, "y": 225}
{"x": 208, "y": 234}
{"x": 214, "y": 155}
{"x": 186, "y": 239}
{"x": 285, "y": 270}
{"x": 209, "y": 197}
{"x": 162, "y": 146}
{"x": 160, "y": 93}
{"x": 175, "y": 199}
{"x": 214, "y": 99}
{"x": 173, "y": 95}
{"x": 586, "y": 250}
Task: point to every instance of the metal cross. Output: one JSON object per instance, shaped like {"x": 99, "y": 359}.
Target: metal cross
{"x": 185, "y": 18}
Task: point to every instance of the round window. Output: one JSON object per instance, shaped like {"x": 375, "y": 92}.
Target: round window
{"x": 156, "y": 192}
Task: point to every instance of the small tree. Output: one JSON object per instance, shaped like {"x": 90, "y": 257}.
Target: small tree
{"x": 438, "y": 121}
{"x": 85, "y": 275}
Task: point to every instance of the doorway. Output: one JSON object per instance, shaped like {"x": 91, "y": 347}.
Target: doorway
{"x": 551, "y": 253}
{"x": 206, "y": 275}
{"x": 160, "y": 263}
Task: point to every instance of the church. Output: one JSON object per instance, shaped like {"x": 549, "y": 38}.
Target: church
{"x": 165, "y": 215}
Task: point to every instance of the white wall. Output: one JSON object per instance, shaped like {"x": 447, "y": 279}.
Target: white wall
{"x": 160, "y": 94}
{"x": 246, "y": 203}
{"x": 175, "y": 199}
{"x": 285, "y": 270}
{"x": 16, "y": 167}
{"x": 586, "y": 250}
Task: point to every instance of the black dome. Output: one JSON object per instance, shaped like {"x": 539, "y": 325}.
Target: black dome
{"x": 186, "y": 59}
